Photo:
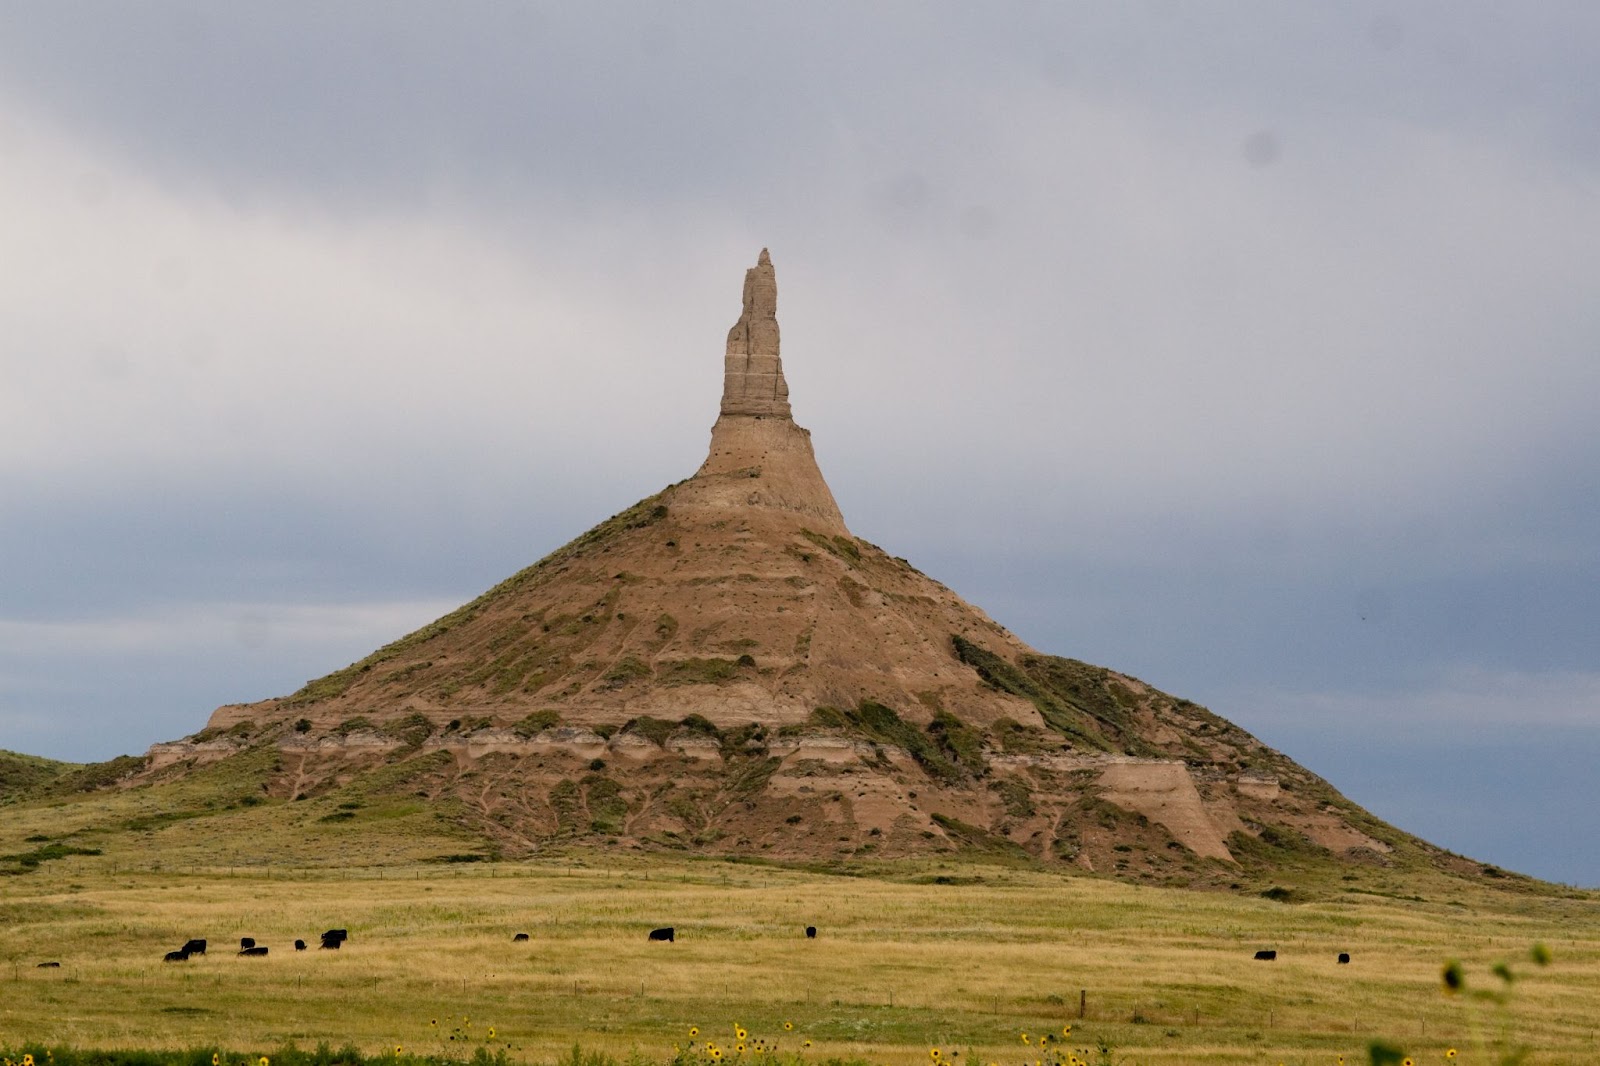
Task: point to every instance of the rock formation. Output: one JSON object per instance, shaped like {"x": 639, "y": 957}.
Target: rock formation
{"x": 723, "y": 666}
{"x": 752, "y": 375}
{"x": 759, "y": 458}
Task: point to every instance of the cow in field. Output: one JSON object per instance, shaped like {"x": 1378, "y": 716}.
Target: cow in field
{"x": 811, "y": 932}
{"x": 1344, "y": 957}
{"x": 662, "y": 934}
{"x": 1266, "y": 955}
{"x": 333, "y": 939}
{"x": 299, "y": 945}
{"x": 194, "y": 947}
{"x": 49, "y": 966}
{"x": 253, "y": 950}
{"x": 246, "y": 942}
{"x": 519, "y": 938}
{"x": 175, "y": 956}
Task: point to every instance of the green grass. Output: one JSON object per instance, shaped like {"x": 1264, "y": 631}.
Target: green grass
{"x": 955, "y": 955}
{"x": 23, "y": 775}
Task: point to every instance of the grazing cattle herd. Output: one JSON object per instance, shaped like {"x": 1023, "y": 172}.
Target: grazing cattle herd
{"x": 334, "y": 938}
{"x": 247, "y": 947}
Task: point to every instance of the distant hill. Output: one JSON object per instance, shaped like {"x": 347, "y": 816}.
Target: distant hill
{"x": 23, "y": 776}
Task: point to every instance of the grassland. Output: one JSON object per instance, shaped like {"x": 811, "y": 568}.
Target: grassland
{"x": 956, "y": 956}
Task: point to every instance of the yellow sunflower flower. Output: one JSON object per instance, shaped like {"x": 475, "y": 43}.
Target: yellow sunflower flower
{"x": 716, "y": 1053}
{"x": 491, "y": 1032}
{"x": 1025, "y": 1039}
{"x": 740, "y": 1033}
{"x": 1407, "y": 1062}
{"x": 933, "y": 1053}
{"x": 694, "y": 1030}
{"x": 805, "y": 1043}
{"x": 263, "y": 1061}
{"x": 787, "y": 1026}
{"x": 398, "y": 1049}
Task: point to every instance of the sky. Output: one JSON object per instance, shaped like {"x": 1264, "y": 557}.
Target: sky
{"x": 1249, "y": 349}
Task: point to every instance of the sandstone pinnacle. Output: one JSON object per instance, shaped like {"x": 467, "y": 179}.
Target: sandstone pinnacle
{"x": 752, "y": 378}
{"x": 761, "y": 461}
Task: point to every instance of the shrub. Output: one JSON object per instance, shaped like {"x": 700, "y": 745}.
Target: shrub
{"x": 537, "y": 722}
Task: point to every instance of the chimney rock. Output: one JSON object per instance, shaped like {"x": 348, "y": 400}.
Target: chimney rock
{"x": 752, "y": 375}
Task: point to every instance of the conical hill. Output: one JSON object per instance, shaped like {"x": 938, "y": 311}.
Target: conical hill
{"x": 725, "y": 667}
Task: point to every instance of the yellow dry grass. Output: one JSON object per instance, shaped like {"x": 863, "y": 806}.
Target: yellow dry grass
{"x": 901, "y": 964}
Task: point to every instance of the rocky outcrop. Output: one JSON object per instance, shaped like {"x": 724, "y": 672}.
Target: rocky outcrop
{"x": 760, "y": 460}
{"x": 752, "y": 378}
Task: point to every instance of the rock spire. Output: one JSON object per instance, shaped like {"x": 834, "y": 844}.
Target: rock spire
{"x": 760, "y": 461}
{"x": 752, "y": 376}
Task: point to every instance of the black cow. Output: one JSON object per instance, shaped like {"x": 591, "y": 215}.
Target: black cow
{"x": 49, "y": 966}
{"x": 334, "y": 938}
{"x": 175, "y": 956}
{"x": 299, "y": 945}
{"x": 811, "y": 932}
{"x": 194, "y": 947}
{"x": 662, "y": 934}
{"x": 1344, "y": 957}
{"x": 252, "y": 950}
{"x": 1266, "y": 956}
{"x": 246, "y": 942}
{"x": 519, "y": 938}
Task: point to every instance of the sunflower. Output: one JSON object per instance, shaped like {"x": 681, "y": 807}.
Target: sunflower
{"x": 216, "y": 1059}
{"x": 805, "y": 1043}
{"x": 263, "y": 1061}
{"x": 1407, "y": 1062}
{"x": 491, "y": 1032}
{"x": 27, "y": 1060}
{"x": 716, "y": 1053}
{"x": 739, "y": 1048}
{"x": 694, "y": 1030}
{"x": 398, "y": 1049}
{"x": 788, "y": 1026}
{"x": 1025, "y": 1039}
{"x": 933, "y": 1053}
{"x": 739, "y": 1032}
{"x": 1066, "y": 1030}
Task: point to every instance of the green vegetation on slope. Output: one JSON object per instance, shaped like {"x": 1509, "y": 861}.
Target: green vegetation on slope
{"x": 1082, "y": 702}
{"x": 23, "y": 775}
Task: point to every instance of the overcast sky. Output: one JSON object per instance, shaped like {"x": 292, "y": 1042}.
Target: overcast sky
{"x": 1251, "y": 349}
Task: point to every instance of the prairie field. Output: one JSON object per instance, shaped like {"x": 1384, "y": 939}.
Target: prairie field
{"x": 957, "y": 956}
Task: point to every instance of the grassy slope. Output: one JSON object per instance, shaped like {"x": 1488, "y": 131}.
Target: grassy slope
{"x": 24, "y": 775}
{"x": 968, "y": 963}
